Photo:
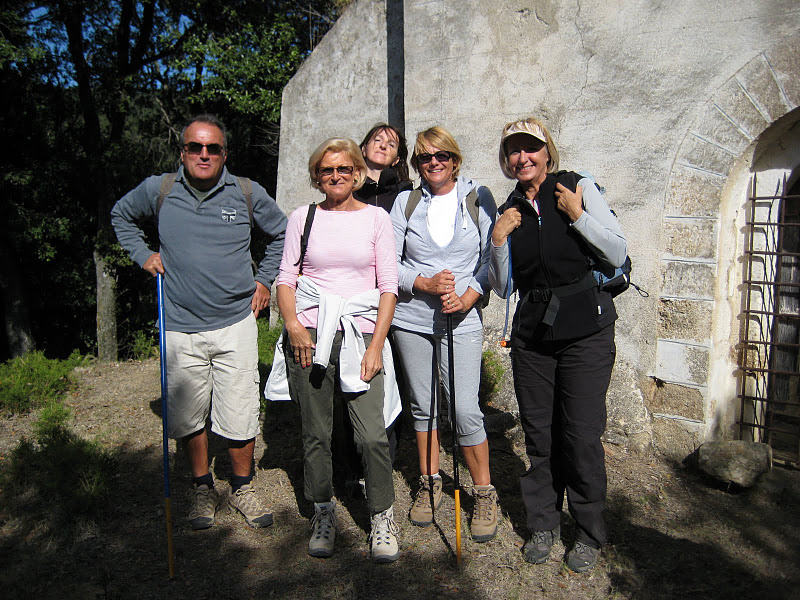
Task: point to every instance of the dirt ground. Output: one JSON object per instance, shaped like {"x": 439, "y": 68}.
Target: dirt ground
{"x": 673, "y": 533}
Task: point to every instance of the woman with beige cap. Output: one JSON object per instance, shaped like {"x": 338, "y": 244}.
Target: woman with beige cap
{"x": 553, "y": 228}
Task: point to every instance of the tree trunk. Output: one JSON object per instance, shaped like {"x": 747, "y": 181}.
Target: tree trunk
{"x": 106, "y": 309}
{"x": 17, "y": 316}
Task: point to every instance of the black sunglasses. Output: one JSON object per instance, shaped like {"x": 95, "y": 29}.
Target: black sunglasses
{"x": 328, "y": 171}
{"x": 197, "y": 148}
{"x": 441, "y": 156}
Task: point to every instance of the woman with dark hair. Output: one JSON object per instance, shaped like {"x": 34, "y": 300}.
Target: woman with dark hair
{"x": 386, "y": 155}
{"x": 555, "y": 226}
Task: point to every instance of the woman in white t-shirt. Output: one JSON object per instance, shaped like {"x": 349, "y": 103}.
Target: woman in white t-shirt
{"x": 441, "y": 236}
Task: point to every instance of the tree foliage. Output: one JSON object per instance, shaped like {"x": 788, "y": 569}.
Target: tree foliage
{"x": 95, "y": 94}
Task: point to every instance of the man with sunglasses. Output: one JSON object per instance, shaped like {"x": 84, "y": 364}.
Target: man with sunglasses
{"x": 204, "y": 216}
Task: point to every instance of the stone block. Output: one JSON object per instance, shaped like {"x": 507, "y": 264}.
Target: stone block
{"x": 678, "y": 400}
{"x": 691, "y": 238}
{"x": 738, "y": 106}
{"x": 693, "y": 193}
{"x": 783, "y": 59}
{"x": 681, "y": 363}
{"x": 705, "y": 155}
{"x": 688, "y": 280}
{"x": 685, "y": 319}
{"x": 676, "y": 439}
{"x": 715, "y": 127}
{"x": 756, "y": 77}
{"x": 735, "y": 461}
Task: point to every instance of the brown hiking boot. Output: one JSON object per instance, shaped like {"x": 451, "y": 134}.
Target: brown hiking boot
{"x": 204, "y": 506}
{"x": 245, "y": 501}
{"x": 484, "y": 515}
{"x": 428, "y": 498}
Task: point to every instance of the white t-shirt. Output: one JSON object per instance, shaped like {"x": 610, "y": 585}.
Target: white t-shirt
{"x": 442, "y": 217}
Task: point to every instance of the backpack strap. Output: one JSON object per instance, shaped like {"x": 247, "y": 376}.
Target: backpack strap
{"x": 247, "y": 190}
{"x": 413, "y": 200}
{"x": 473, "y": 208}
{"x": 167, "y": 181}
{"x": 473, "y": 205}
{"x": 312, "y": 208}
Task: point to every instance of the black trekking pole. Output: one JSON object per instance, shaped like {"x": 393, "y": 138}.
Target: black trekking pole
{"x": 452, "y": 385}
{"x": 162, "y": 352}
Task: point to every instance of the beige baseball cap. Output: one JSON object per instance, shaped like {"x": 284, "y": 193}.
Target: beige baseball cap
{"x": 525, "y": 128}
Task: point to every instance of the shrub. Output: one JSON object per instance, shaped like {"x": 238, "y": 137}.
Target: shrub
{"x": 492, "y": 371}
{"x": 267, "y": 338}
{"x": 28, "y": 381}
{"x": 142, "y": 345}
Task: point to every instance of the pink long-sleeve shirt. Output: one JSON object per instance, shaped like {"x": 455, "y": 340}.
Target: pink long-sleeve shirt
{"x": 348, "y": 252}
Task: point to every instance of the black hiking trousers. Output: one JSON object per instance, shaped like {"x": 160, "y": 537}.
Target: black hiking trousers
{"x": 561, "y": 390}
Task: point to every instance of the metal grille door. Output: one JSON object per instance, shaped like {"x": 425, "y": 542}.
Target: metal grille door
{"x": 770, "y": 342}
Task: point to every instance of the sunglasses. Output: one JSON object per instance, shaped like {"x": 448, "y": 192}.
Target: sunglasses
{"x": 441, "y": 156}
{"x": 197, "y": 148}
{"x": 328, "y": 171}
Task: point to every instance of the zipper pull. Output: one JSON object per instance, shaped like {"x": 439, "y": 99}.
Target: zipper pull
{"x": 540, "y": 222}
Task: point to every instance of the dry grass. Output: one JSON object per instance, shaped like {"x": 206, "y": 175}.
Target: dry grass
{"x": 673, "y": 534}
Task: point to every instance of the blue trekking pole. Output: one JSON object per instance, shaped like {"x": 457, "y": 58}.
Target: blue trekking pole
{"x": 162, "y": 352}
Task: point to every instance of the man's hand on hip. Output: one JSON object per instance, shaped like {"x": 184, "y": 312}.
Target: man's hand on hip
{"x": 153, "y": 264}
{"x": 260, "y": 299}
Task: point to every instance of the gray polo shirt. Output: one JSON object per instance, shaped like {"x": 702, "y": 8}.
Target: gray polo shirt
{"x": 204, "y": 246}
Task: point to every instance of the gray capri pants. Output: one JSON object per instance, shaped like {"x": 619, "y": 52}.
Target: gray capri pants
{"x": 423, "y": 356}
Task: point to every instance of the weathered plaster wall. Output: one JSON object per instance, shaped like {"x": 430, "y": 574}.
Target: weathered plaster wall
{"x": 658, "y": 100}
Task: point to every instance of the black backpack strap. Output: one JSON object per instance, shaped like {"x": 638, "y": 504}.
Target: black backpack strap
{"x": 312, "y": 208}
{"x": 167, "y": 181}
{"x": 247, "y": 190}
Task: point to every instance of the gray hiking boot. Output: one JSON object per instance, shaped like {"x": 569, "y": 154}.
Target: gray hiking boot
{"x": 428, "y": 499}
{"x": 383, "y": 538}
{"x": 204, "y": 506}
{"x": 537, "y": 549}
{"x": 323, "y": 530}
{"x": 484, "y": 515}
{"x": 582, "y": 557}
{"x": 245, "y": 501}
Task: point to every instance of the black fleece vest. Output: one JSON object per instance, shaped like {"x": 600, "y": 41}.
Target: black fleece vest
{"x": 547, "y": 253}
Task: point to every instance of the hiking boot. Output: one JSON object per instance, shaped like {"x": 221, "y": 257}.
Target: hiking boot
{"x": 537, "y": 549}
{"x": 204, "y": 506}
{"x": 323, "y": 530}
{"x": 428, "y": 498}
{"x": 582, "y": 557}
{"x": 245, "y": 501}
{"x": 484, "y": 514}
{"x": 383, "y": 538}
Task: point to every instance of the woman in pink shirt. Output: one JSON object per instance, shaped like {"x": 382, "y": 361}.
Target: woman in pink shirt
{"x": 344, "y": 285}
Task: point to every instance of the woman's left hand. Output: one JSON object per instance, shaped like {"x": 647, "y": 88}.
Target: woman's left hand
{"x": 453, "y": 303}
{"x": 570, "y": 203}
{"x": 372, "y": 362}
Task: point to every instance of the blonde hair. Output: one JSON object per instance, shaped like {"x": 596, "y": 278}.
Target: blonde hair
{"x": 535, "y": 128}
{"x": 437, "y": 137}
{"x": 336, "y": 145}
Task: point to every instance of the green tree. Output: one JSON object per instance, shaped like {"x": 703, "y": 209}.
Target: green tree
{"x": 109, "y": 85}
